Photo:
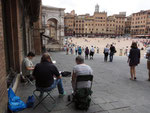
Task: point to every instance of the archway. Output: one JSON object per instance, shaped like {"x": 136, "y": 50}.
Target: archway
{"x": 52, "y": 28}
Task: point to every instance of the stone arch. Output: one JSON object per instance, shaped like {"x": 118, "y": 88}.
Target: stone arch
{"x": 52, "y": 24}
{"x": 50, "y": 17}
{"x": 54, "y": 14}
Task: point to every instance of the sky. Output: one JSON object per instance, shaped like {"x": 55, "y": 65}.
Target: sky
{"x": 109, "y": 6}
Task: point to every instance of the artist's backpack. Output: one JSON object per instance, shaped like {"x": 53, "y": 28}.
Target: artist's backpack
{"x": 82, "y": 98}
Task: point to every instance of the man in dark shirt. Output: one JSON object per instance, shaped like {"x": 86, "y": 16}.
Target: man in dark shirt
{"x": 112, "y": 51}
{"x": 44, "y": 74}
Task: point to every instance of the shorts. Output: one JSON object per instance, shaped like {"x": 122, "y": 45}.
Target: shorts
{"x": 91, "y": 53}
{"x": 148, "y": 65}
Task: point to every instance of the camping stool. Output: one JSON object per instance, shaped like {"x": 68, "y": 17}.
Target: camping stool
{"x": 40, "y": 100}
{"x": 29, "y": 81}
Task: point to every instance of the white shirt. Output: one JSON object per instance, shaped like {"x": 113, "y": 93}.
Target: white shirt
{"x": 83, "y": 69}
{"x": 92, "y": 49}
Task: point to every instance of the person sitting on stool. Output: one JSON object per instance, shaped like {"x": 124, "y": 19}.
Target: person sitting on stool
{"x": 81, "y": 69}
{"x": 44, "y": 74}
{"x": 27, "y": 66}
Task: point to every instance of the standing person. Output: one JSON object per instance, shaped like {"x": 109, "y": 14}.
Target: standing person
{"x": 112, "y": 51}
{"x": 133, "y": 59}
{"x": 98, "y": 50}
{"x": 67, "y": 51}
{"x": 106, "y": 52}
{"x": 126, "y": 51}
{"x": 27, "y": 66}
{"x": 76, "y": 50}
{"x": 44, "y": 74}
{"x": 71, "y": 50}
{"x": 148, "y": 61}
{"x": 92, "y": 52}
{"x": 86, "y": 52}
{"x": 79, "y": 50}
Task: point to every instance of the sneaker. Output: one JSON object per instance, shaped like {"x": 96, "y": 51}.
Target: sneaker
{"x": 41, "y": 95}
{"x": 61, "y": 95}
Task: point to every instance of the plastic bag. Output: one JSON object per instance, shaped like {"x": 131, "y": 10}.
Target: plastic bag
{"x": 14, "y": 103}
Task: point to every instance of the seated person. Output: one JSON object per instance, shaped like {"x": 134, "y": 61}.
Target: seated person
{"x": 81, "y": 69}
{"x": 44, "y": 74}
{"x": 27, "y": 66}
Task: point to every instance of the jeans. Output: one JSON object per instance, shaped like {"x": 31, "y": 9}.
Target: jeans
{"x": 57, "y": 83}
{"x": 111, "y": 56}
{"x": 105, "y": 57}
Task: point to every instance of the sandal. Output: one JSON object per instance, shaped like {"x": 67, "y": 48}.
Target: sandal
{"x": 131, "y": 78}
{"x": 134, "y": 78}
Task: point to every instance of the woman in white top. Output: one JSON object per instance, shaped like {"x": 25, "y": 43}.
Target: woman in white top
{"x": 106, "y": 52}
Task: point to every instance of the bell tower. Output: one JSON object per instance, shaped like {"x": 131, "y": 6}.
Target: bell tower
{"x": 97, "y": 8}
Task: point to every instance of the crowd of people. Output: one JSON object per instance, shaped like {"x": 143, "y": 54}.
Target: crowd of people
{"x": 78, "y": 50}
{"x": 133, "y": 54}
{"x": 89, "y": 52}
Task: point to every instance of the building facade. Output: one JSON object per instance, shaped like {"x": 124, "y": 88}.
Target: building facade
{"x": 110, "y": 29}
{"x": 120, "y": 24}
{"x": 79, "y": 25}
{"x": 128, "y": 25}
{"x": 100, "y": 23}
{"x": 96, "y": 25}
{"x": 19, "y": 34}
{"x": 69, "y": 22}
{"x": 140, "y": 23}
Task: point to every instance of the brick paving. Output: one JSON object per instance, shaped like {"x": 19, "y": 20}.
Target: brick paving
{"x": 113, "y": 91}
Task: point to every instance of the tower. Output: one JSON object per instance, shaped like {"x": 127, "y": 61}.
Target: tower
{"x": 97, "y": 8}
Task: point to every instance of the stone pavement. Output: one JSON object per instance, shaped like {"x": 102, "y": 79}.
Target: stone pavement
{"x": 113, "y": 92}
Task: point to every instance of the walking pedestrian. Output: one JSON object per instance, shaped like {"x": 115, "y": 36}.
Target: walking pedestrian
{"x": 133, "y": 59}
{"x": 112, "y": 51}
{"x": 92, "y": 51}
{"x": 76, "y": 50}
{"x": 148, "y": 61}
{"x": 79, "y": 50}
{"x": 86, "y": 52}
{"x": 67, "y": 51}
{"x": 106, "y": 52}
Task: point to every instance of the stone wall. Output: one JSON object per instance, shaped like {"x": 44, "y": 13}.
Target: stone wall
{"x": 3, "y": 86}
